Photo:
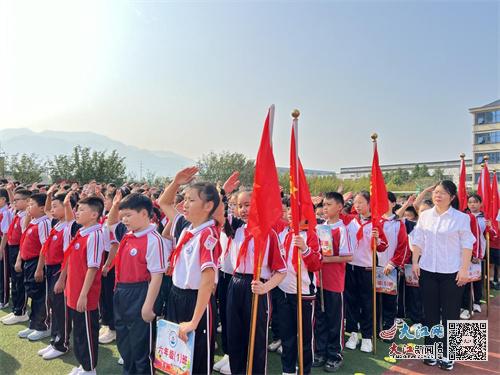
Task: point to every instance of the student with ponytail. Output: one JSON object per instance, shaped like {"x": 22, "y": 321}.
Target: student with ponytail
{"x": 442, "y": 245}
{"x": 194, "y": 264}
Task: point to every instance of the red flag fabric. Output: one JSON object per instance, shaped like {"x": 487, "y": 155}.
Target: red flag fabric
{"x": 462, "y": 190}
{"x": 300, "y": 197}
{"x": 379, "y": 203}
{"x": 495, "y": 204}
{"x": 484, "y": 190}
{"x": 265, "y": 205}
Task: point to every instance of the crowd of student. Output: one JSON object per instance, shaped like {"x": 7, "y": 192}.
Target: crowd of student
{"x": 119, "y": 258}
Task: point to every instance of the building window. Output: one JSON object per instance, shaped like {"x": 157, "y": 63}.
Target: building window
{"x": 489, "y": 117}
{"x": 487, "y": 138}
{"x": 494, "y": 157}
{"x": 478, "y": 175}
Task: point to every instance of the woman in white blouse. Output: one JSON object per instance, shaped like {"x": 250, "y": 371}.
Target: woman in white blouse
{"x": 442, "y": 248}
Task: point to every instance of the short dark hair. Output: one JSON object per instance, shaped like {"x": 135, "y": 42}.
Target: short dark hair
{"x": 39, "y": 198}
{"x": 62, "y": 196}
{"x": 337, "y": 197}
{"x": 95, "y": 203}
{"x": 391, "y": 196}
{"x": 24, "y": 192}
{"x": 137, "y": 202}
{"x": 4, "y": 194}
{"x": 476, "y": 197}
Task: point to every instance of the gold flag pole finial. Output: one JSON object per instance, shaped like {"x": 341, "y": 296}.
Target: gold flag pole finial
{"x": 462, "y": 156}
{"x": 486, "y": 158}
{"x": 295, "y": 113}
{"x": 374, "y": 137}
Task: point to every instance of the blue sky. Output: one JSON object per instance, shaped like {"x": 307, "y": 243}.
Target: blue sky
{"x": 193, "y": 77}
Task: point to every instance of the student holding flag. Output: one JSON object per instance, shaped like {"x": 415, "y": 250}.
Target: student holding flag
{"x": 302, "y": 256}
{"x": 360, "y": 275}
{"x": 258, "y": 264}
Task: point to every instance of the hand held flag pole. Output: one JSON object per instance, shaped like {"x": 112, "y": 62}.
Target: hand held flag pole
{"x": 486, "y": 158}
{"x": 374, "y": 271}
{"x": 295, "y": 190}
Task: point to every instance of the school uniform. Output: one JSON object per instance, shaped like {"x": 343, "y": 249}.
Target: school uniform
{"x": 287, "y": 301}
{"x": 239, "y": 300}
{"x": 5, "y": 220}
{"x": 32, "y": 239}
{"x": 84, "y": 252}
{"x": 329, "y": 324}
{"x": 196, "y": 249}
{"x": 409, "y": 297}
{"x": 358, "y": 288}
{"x": 112, "y": 236}
{"x": 396, "y": 254}
{"x": 53, "y": 252}
{"x": 140, "y": 255}
{"x": 14, "y": 235}
{"x": 474, "y": 291}
{"x": 441, "y": 239}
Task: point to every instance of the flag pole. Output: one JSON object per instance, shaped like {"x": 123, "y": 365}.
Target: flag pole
{"x": 486, "y": 158}
{"x": 253, "y": 323}
{"x": 300, "y": 346}
{"x": 374, "y": 276}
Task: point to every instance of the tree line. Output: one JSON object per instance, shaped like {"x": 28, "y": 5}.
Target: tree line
{"x": 85, "y": 164}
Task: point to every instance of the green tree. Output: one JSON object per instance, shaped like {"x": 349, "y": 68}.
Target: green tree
{"x": 26, "y": 168}
{"x": 84, "y": 165}
{"x": 216, "y": 167}
{"x": 420, "y": 171}
{"x": 438, "y": 174}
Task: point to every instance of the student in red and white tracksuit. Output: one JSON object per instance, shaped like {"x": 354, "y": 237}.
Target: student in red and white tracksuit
{"x": 307, "y": 244}
{"x": 5, "y": 220}
{"x": 33, "y": 238}
{"x": 329, "y": 324}
{"x": 358, "y": 289}
{"x": 240, "y": 293}
{"x": 81, "y": 276}
{"x": 396, "y": 255}
{"x": 194, "y": 262}
{"x": 140, "y": 263}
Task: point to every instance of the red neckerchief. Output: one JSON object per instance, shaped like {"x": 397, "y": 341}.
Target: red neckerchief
{"x": 288, "y": 244}
{"x": 175, "y": 254}
{"x": 47, "y": 243}
{"x": 244, "y": 248}
{"x": 69, "y": 250}
{"x": 359, "y": 234}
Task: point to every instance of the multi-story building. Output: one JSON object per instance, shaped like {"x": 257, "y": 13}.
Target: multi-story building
{"x": 486, "y": 133}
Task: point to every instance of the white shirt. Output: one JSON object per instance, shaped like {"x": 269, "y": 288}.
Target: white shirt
{"x": 442, "y": 239}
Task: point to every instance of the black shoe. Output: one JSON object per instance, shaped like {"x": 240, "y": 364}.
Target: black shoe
{"x": 333, "y": 365}
{"x": 446, "y": 364}
{"x": 430, "y": 362}
{"x": 319, "y": 361}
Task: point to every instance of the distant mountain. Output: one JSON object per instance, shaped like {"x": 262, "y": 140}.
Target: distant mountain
{"x": 49, "y": 143}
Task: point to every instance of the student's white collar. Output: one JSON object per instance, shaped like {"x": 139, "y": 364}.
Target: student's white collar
{"x": 38, "y": 220}
{"x": 93, "y": 228}
{"x": 199, "y": 228}
{"x": 150, "y": 228}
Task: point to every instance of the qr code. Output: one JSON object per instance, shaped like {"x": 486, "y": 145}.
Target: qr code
{"x": 468, "y": 341}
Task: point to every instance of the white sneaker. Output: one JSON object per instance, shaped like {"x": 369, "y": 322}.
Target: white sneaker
{"x": 476, "y": 308}
{"x": 272, "y": 347}
{"x": 44, "y": 350}
{"x": 353, "y": 341}
{"x": 4, "y": 305}
{"x": 6, "y": 317}
{"x": 91, "y": 372}
{"x": 219, "y": 364}
{"x": 226, "y": 369}
{"x": 465, "y": 315}
{"x": 51, "y": 354}
{"x": 14, "y": 319}
{"x": 279, "y": 350}
{"x": 38, "y": 335}
{"x": 366, "y": 345}
{"x": 219, "y": 329}
{"x": 76, "y": 370}
{"x": 120, "y": 361}
{"x": 103, "y": 330}
{"x": 108, "y": 337}
{"x": 25, "y": 333}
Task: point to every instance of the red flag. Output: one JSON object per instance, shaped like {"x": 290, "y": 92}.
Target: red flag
{"x": 484, "y": 190}
{"x": 462, "y": 190}
{"x": 495, "y": 204}
{"x": 379, "y": 203}
{"x": 300, "y": 197}
{"x": 265, "y": 206}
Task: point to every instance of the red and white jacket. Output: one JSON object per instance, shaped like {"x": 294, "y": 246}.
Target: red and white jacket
{"x": 398, "y": 250}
